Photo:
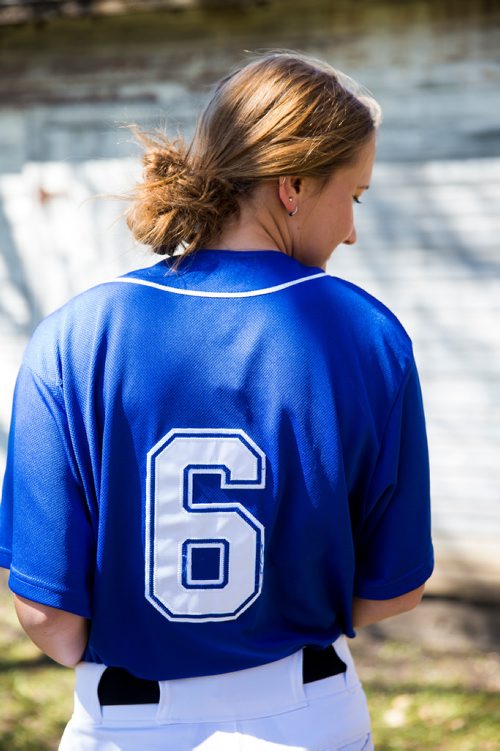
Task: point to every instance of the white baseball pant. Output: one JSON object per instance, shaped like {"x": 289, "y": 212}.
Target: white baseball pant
{"x": 267, "y": 708}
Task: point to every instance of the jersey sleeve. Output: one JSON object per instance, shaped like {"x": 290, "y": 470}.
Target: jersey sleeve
{"x": 46, "y": 536}
{"x": 394, "y": 553}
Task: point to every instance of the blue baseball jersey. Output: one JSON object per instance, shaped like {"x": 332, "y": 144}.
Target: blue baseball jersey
{"x": 210, "y": 461}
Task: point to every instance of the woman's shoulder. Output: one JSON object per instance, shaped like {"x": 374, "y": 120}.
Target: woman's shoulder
{"x": 357, "y": 300}
{"x": 79, "y": 321}
{"x": 95, "y": 299}
{"x": 364, "y": 319}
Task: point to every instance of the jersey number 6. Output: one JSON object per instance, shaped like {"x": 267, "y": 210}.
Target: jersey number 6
{"x": 203, "y": 559}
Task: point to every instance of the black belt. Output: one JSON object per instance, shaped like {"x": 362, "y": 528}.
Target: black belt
{"x": 118, "y": 686}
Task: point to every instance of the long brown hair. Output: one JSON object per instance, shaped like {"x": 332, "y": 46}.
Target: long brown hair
{"x": 282, "y": 114}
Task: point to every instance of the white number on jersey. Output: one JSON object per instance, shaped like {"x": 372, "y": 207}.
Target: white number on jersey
{"x": 204, "y": 560}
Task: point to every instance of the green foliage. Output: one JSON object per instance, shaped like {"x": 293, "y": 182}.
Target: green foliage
{"x": 409, "y": 718}
{"x": 423, "y": 699}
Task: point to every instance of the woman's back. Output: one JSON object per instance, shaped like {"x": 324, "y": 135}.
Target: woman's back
{"x": 188, "y": 431}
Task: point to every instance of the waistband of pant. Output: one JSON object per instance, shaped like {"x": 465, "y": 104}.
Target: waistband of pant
{"x": 263, "y": 691}
{"x": 118, "y": 686}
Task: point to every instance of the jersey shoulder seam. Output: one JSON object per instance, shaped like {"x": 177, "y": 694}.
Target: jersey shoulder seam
{"x": 57, "y": 385}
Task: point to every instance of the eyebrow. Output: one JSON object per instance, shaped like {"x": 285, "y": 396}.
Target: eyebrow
{"x": 363, "y": 187}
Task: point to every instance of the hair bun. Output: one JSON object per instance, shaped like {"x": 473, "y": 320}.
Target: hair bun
{"x": 164, "y": 161}
{"x": 177, "y": 203}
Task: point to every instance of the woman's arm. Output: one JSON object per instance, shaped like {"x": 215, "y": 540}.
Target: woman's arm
{"x": 372, "y": 611}
{"x": 61, "y": 635}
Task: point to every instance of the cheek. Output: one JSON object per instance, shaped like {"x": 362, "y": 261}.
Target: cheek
{"x": 350, "y": 215}
{"x": 344, "y": 222}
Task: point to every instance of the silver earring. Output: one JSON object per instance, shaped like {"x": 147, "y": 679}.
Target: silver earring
{"x": 292, "y": 213}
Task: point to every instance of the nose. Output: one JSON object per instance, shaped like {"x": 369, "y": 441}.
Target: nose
{"x": 351, "y": 239}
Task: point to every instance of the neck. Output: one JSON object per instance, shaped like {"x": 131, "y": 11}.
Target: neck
{"x": 258, "y": 226}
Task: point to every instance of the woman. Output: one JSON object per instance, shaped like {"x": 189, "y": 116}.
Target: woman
{"x": 218, "y": 465}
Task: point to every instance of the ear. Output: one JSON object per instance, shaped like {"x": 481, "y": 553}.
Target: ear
{"x": 288, "y": 191}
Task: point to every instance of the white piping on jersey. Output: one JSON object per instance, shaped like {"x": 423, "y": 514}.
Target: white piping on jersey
{"x": 199, "y": 293}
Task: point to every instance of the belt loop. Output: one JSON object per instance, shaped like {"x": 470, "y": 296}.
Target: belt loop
{"x": 342, "y": 649}
{"x": 162, "y": 713}
{"x": 261, "y": 691}
{"x": 88, "y": 675}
